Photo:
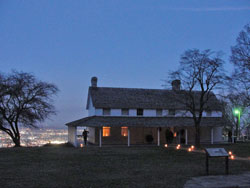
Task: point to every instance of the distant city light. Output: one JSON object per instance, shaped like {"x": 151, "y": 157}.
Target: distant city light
{"x": 57, "y": 142}
{"x": 36, "y": 137}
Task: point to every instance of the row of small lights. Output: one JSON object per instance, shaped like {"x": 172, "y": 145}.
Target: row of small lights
{"x": 230, "y": 153}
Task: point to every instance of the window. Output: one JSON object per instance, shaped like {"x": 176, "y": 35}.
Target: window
{"x": 106, "y": 131}
{"x": 209, "y": 113}
{"x": 124, "y": 131}
{"x": 171, "y": 112}
{"x": 139, "y": 112}
{"x": 159, "y": 112}
{"x": 106, "y": 111}
{"x": 125, "y": 112}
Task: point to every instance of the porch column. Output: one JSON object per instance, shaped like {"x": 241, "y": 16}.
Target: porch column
{"x": 128, "y": 136}
{"x": 72, "y": 138}
{"x": 179, "y": 137}
{"x": 232, "y": 135}
{"x": 186, "y": 136}
{"x": 100, "y": 137}
{"x": 212, "y": 135}
{"x": 158, "y": 136}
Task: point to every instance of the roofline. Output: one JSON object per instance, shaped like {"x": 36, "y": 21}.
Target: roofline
{"x": 80, "y": 121}
{"x": 146, "y": 89}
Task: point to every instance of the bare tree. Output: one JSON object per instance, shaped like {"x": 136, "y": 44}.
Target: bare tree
{"x": 230, "y": 103}
{"x": 200, "y": 72}
{"x": 24, "y": 101}
{"x": 241, "y": 60}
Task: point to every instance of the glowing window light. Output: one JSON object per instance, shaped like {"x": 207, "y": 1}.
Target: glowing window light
{"x": 124, "y": 131}
{"x": 105, "y": 131}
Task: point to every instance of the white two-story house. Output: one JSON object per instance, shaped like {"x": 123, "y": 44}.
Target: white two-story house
{"x": 143, "y": 116}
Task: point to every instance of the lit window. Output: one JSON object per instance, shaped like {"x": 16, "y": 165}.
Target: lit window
{"x": 106, "y": 111}
{"x": 171, "y": 112}
{"x": 124, "y": 131}
{"x": 139, "y": 112}
{"x": 175, "y": 134}
{"x": 159, "y": 112}
{"x": 106, "y": 131}
{"x": 125, "y": 112}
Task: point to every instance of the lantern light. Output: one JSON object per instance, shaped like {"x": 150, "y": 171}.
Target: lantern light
{"x": 230, "y": 153}
{"x": 165, "y": 145}
{"x": 81, "y": 145}
{"x": 192, "y": 147}
{"x": 178, "y": 146}
{"x": 232, "y": 157}
{"x": 189, "y": 149}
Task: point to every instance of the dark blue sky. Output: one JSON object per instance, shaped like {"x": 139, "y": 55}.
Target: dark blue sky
{"x": 125, "y": 43}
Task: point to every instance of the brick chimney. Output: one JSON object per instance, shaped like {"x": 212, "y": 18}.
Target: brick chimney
{"x": 176, "y": 85}
{"x": 94, "y": 81}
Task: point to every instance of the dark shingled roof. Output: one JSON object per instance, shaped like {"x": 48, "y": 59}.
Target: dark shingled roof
{"x": 117, "y": 98}
{"x": 119, "y": 121}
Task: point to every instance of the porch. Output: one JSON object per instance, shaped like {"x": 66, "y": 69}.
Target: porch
{"x": 138, "y": 130}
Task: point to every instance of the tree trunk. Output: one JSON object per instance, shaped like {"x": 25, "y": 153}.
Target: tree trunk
{"x": 197, "y": 135}
{"x": 17, "y": 142}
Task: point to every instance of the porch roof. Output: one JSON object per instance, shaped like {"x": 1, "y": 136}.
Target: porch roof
{"x": 119, "y": 121}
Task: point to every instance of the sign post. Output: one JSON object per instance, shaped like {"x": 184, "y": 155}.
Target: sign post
{"x": 216, "y": 152}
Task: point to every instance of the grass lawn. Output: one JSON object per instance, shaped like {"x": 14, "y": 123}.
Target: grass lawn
{"x": 118, "y": 166}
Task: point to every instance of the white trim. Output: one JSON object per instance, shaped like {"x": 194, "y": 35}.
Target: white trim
{"x": 186, "y": 136}
{"x": 128, "y": 137}
{"x": 212, "y": 135}
{"x": 158, "y": 136}
{"x": 100, "y": 137}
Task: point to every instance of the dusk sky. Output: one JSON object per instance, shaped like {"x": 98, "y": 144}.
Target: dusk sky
{"x": 129, "y": 43}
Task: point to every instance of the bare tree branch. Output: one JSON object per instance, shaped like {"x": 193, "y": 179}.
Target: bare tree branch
{"x": 200, "y": 73}
{"x": 24, "y": 101}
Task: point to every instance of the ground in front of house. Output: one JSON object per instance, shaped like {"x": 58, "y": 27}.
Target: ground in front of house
{"x": 118, "y": 166}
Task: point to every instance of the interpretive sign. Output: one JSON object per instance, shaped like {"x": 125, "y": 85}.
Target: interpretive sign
{"x": 216, "y": 152}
